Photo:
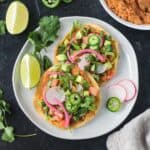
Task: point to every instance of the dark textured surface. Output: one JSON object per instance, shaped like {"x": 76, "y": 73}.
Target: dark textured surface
{"x": 10, "y": 47}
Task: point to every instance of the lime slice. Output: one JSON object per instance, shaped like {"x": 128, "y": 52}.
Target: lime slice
{"x": 30, "y": 71}
{"x": 17, "y": 17}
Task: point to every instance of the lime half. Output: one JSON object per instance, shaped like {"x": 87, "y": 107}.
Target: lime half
{"x": 30, "y": 71}
{"x": 17, "y": 17}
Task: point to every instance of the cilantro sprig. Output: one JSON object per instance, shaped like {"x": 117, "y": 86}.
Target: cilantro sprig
{"x": 47, "y": 33}
{"x": 44, "y": 37}
{"x": 8, "y": 134}
{"x": 7, "y": 131}
{"x": 2, "y": 27}
{"x": 1, "y": 1}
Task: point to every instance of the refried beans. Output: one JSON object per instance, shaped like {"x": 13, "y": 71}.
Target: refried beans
{"x": 135, "y": 11}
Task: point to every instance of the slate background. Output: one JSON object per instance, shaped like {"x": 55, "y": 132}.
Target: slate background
{"x": 10, "y": 47}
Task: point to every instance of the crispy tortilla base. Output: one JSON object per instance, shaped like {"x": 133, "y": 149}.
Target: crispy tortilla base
{"x": 89, "y": 116}
{"x": 96, "y": 29}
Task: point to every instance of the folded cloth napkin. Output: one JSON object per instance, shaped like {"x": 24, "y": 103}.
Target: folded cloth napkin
{"x": 133, "y": 136}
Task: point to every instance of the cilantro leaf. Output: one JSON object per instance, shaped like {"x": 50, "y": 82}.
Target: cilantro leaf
{"x": 35, "y": 39}
{"x": 8, "y": 134}
{"x": 46, "y": 63}
{"x": 2, "y": 27}
{"x": 2, "y": 125}
{"x": 5, "y": 107}
{"x": 49, "y": 27}
{"x": 2, "y": 1}
{"x": 1, "y": 93}
{"x": 7, "y": 131}
{"x": 47, "y": 34}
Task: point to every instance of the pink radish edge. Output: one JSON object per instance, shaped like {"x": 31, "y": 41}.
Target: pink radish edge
{"x": 125, "y": 92}
{"x": 67, "y": 117}
{"x": 135, "y": 89}
{"x": 134, "y": 86}
{"x": 47, "y": 103}
{"x": 83, "y": 51}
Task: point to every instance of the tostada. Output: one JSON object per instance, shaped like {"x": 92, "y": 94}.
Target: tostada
{"x": 91, "y": 48}
{"x": 67, "y": 97}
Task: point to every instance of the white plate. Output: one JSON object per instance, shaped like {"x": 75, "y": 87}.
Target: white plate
{"x": 105, "y": 121}
{"x": 122, "y": 21}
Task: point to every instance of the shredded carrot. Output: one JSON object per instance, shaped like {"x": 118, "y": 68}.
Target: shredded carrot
{"x": 104, "y": 78}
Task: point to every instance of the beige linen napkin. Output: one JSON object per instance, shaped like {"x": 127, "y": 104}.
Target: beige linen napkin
{"x": 133, "y": 136}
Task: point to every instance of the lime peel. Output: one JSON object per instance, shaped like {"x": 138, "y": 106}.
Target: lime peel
{"x": 30, "y": 71}
{"x": 17, "y": 17}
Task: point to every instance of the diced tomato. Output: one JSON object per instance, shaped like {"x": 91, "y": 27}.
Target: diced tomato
{"x": 56, "y": 118}
{"x": 110, "y": 74}
{"x": 85, "y": 39}
{"x": 54, "y": 82}
{"x": 75, "y": 70}
{"x": 60, "y": 115}
{"x": 104, "y": 78}
{"x": 94, "y": 91}
{"x": 62, "y": 123}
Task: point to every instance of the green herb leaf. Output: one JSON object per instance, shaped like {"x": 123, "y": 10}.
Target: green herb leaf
{"x": 4, "y": 106}
{"x": 1, "y": 93}
{"x": 35, "y": 39}
{"x": 8, "y": 134}
{"x": 47, "y": 34}
{"x": 2, "y": 27}
{"x": 2, "y": 125}
{"x": 2, "y": 1}
{"x": 78, "y": 26}
{"x": 26, "y": 135}
{"x": 8, "y": 131}
{"x": 46, "y": 63}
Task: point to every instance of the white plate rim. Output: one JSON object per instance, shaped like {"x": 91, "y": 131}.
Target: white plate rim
{"x": 122, "y": 21}
{"x": 32, "y": 120}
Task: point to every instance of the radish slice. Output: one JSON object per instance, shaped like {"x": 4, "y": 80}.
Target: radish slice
{"x": 117, "y": 91}
{"x": 83, "y": 62}
{"x": 52, "y": 108}
{"x": 55, "y": 92}
{"x": 129, "y": 87}
{"x": 67, "y": 117}
{"x": 101, "y": 68}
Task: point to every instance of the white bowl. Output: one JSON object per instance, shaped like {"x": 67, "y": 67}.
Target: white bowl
{"x": 122, "y": 21}
{"x": 104, "y": 121}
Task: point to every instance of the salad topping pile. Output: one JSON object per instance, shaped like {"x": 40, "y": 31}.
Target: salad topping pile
{"x": 68, "y": 95}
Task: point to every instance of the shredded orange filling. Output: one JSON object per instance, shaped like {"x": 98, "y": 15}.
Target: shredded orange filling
{"x": 135, "y": 11}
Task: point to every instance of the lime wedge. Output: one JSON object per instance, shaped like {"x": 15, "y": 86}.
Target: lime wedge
{"x": 30, "y": 71}
{"x": 17, "y": 17}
